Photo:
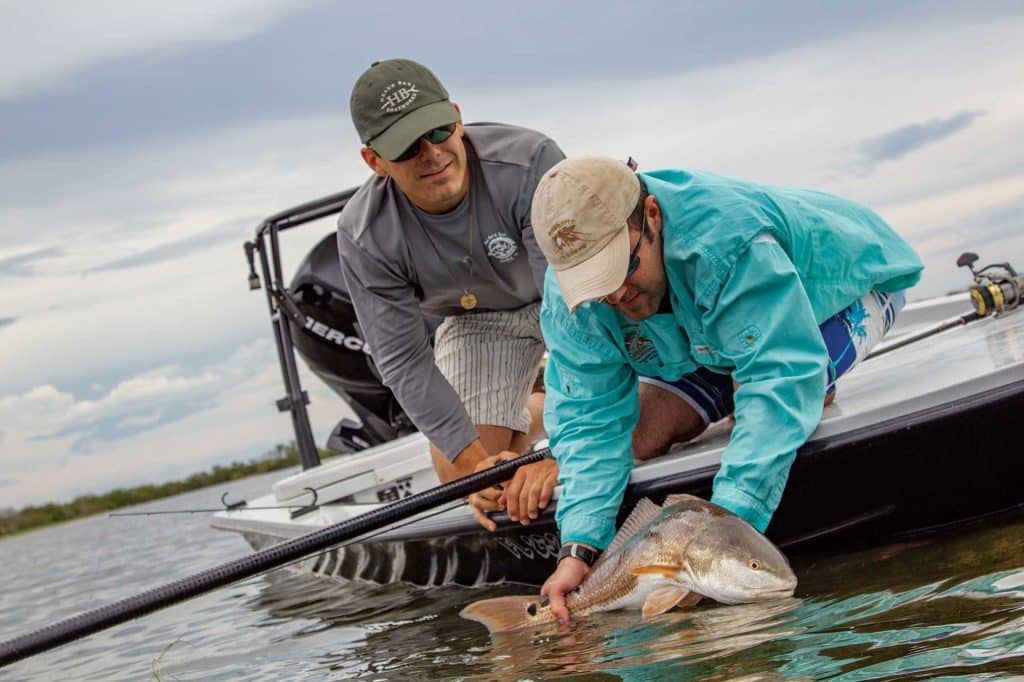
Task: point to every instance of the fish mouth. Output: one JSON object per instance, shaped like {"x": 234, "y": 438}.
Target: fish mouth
{"x": 776, "y": 593}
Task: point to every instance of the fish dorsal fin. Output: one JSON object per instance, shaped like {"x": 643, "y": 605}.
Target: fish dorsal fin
{"x": 664, "y": 598}
{"x": 680, "y": 497}
{"x": 642, "y": 513}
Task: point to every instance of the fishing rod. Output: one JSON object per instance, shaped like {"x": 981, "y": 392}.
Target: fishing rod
{"x": 997, "y": 289}
{"x": 200, "y": 510}
{"x": 228, "y": 507}
{"x": 289, "y": 551}
{"x": 958, "y": 321}
{"x": 369, "y": 536}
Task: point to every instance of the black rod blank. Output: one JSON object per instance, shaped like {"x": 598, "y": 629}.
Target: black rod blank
{"x": 84, "y": 624}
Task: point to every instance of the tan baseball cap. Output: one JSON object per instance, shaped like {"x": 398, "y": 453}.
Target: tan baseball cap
{"x": 579, "y": 218}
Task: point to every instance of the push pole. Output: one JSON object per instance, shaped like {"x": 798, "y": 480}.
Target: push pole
{"x": 84, "y": 624}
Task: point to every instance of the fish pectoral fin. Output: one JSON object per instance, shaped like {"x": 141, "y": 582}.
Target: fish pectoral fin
{"x": 667, "y": 570}
{"x": 691, "y": 599}
{"x": 664, "y": 598}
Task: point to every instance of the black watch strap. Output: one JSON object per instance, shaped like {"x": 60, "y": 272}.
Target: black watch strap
{"x": 578, "y": 551}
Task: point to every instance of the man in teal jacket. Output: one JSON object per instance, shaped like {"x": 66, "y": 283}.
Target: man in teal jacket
{"x": 675, "y": 298}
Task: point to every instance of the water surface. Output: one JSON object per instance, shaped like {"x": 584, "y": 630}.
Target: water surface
{"x": 948, "y": 607}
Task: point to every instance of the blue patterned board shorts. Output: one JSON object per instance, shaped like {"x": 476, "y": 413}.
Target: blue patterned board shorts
{"x": 849, "y": 336}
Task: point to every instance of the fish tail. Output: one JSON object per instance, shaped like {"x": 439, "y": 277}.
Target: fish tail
{"x": 502, "y": 614}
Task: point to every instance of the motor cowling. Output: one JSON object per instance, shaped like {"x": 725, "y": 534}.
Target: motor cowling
{"x": 332, "y": 345}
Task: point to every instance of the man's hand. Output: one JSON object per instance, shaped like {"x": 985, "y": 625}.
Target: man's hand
{"x": 489, "y": 499}
{"x": 530, "y": 490}
{"x": 566, "y": 578}
{"x": 525, "y": 495}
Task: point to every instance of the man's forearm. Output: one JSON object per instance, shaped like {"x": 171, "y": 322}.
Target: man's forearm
{"x": 463, "y": 465}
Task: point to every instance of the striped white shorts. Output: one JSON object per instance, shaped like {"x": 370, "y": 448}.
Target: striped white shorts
{"x": 491, "y": 360}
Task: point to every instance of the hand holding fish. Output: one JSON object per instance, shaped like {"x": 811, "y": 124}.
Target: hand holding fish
{"x": 662, "y": 557}
{"x": 524, "y": 496}
{"x": 566, "y": 578}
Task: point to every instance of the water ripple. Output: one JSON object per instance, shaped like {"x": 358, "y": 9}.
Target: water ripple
{"x": 949, "y": 607}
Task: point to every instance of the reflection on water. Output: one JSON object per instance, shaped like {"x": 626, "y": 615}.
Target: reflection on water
{"x": 950, "y": 607}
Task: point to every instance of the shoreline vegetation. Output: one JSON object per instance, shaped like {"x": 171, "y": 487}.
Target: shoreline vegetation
{"x": 35, "y": 517}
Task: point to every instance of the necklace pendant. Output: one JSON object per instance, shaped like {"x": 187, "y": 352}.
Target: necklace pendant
{"x": 468, "y": 300}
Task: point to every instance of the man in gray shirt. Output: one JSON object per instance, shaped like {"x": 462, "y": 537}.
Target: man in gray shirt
{"x": 443, "y": 228}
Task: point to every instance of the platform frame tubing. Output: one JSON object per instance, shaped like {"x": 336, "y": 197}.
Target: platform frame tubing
{"x": 273, "y": 278}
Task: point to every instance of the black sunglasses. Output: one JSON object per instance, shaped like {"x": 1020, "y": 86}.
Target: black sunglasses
{"x": 634, "y": 256}
{"x": 435, "y": 136}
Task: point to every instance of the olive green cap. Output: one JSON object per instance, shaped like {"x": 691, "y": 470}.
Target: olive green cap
{"x": 396, "y": 101}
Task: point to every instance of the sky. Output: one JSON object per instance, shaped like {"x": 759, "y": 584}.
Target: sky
{"x": 142, "y": 142}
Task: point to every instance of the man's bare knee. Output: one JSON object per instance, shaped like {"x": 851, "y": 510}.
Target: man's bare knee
{"x": 645, "y": 446}
{"x": 665, "y": 418}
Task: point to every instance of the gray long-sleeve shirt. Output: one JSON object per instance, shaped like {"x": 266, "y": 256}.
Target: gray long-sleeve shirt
{"x": 400, "y": 262}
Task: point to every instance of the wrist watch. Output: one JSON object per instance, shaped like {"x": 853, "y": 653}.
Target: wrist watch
{"x": 578, "y": 551}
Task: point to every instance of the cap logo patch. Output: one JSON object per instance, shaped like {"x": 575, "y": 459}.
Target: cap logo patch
{"x": 567, "y": 239}
{"x": 501, "y": 247}
{"x": 397, "y": 96}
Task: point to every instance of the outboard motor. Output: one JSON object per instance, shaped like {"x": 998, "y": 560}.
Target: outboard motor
{"x": 333, "y": 347}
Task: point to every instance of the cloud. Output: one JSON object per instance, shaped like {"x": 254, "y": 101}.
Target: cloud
{"x": 898, "y": 143}
{"x": 23, "y": 265}
{"x": 58, "y": 40}
{"x": 35, "y": 409}
{"x": 135, "y": 405}
{"x": 987, "y": 231}
{"x": 177, "y": 249}
{"x": 781, "y": 116}
{"x": 241, "y": 424}
{"x": 173, "y": 70}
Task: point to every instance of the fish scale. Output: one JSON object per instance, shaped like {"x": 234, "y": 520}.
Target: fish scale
{"x": 613, "y": 579}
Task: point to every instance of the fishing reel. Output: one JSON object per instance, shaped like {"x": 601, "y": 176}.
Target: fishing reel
{"x": 997, "y": 287}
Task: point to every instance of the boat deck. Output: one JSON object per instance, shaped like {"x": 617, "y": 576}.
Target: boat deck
{"x": 921, "y": 435}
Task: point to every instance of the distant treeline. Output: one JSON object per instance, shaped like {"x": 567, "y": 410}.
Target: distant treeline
{"x": 44, "y": 515}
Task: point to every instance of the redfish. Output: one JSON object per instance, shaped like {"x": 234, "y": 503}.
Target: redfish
{"x": 662, "y": 557}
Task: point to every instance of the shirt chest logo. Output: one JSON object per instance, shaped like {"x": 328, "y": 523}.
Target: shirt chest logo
{"x": 639, "y": 347}
{"x": 501, "y": 247}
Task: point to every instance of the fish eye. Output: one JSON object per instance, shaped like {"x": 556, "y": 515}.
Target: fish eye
{"x": 755, "y": 565}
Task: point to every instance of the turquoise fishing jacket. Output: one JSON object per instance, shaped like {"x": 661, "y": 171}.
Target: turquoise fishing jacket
{"x": 743, "y": 305}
